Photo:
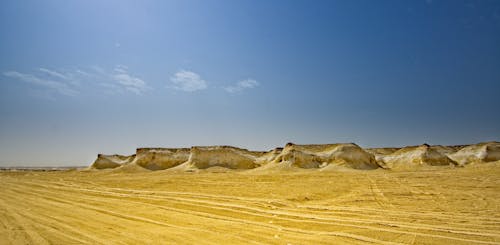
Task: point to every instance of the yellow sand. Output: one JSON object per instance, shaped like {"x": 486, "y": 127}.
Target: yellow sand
{"x": 441, "y": 205}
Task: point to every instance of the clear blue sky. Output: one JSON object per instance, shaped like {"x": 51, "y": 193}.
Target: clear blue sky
{"x": 82, "y": 77}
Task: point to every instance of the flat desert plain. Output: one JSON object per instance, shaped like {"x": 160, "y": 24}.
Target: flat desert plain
{"x": 441, "y": 205}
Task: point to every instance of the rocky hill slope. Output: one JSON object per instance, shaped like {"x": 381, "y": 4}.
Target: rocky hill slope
{"x": 319, "y": 156}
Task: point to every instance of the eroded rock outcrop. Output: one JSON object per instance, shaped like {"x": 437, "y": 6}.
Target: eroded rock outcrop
{"x": 478, "y": 153}
{"x": 379, "y": 153}
{"x": 203, "y": 157}
{"x": 161, "y": 158}
{"x": 269, "y": 156}
{"x": 293, "y": 156}
{"x": 416, "y": 156}
{"x": 318, "y": 156}
{"x": 111, "y": 161}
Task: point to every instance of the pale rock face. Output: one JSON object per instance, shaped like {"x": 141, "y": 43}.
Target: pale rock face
{"x": 318, "y": 156}
{"x": 478, "y": 153}
{"x": 203, "y": 157}
{"x": 416, "y": 156}
{"x": 111, "y": 161}
{"x": 161, "y": 158}
{"x": 268, "y": 157}
{"x": 322, "y": 156}
{"x": 380, "y": 153}
{"x": 446, "y": 150}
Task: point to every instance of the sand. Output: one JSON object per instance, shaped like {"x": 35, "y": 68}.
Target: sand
{"x": 439, "y": 205}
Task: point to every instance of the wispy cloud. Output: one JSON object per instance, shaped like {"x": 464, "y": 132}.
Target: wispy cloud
{"x": 61, "y": 87}
{"x": 241, "y": 85}
{"x": 187, "y": 81}
{"x": 64, "y": 76}
{"x": 54, "y": 74}
{"x": 129, "y": 82}
{"x": 82, "y": 73}
{"x": 67, "y": 82}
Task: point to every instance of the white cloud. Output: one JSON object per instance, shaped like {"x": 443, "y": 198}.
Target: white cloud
{"x": 83, "y": 73}
{"x": 129, "y": 82}
{"x": 121, "y": 69}
{"x": 116, "y": 81}
{"x": 241, "y": 85}
{"x": 61, "y": 87}
{"x": 54, "y": 74}
{"x": 66, "y": 77}
{"x": 188, "y": 81}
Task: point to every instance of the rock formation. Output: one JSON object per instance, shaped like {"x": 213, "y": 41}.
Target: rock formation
{"x": 318, "y": 156}
{"x": 478, "y": 153}
{"x": 111, "y": 161}
{"x": 161, "y": 158}
{"x": 416, "y": 156}
{"x": 203, "y": 157}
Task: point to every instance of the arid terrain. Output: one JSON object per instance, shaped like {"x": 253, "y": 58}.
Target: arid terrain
{"x": 299, "y": 194}
{"x": 436, "y": 206}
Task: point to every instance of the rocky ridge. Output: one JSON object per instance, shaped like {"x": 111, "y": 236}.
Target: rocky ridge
{"x": 295, "y": 156}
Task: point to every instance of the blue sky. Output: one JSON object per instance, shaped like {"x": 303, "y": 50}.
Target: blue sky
{"x": 82, "y": 77}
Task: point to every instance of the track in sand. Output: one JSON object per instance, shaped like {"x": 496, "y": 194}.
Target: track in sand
{"x": 442, "y": 206}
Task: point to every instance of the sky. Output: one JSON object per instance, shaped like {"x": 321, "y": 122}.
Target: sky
{"x": 79, "y": 78}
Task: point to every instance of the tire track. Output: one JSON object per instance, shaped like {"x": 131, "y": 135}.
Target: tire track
{"x": 258, "y": 224}
{"x": 386, "y": 230}
{"x": 279, "y": 203}
{"x": 276, "y": 204}
{"x": 300, "y": 214}
{"x": 33, "y": 236}
{"x": 196, "y": 201}
{"x": 126, "y": 217}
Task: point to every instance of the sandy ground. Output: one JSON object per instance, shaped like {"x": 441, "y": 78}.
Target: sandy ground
{"x": 441, "y": 206}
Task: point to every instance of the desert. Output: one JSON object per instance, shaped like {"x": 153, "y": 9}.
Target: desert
{"x": 249, "y": 122}
{"x": 298, "y": 194}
